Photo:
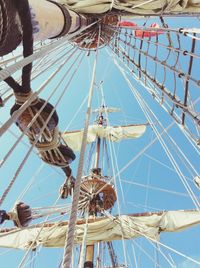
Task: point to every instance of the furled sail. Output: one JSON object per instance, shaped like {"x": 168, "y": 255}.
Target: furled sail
{"x": 138, "y": 7}
{"x": 114, "y": 133}
{"x": 148, "y": 225}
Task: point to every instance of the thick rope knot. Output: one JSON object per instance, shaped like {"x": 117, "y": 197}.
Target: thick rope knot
{"x": 46, "y": 146}
{"x": 21, "y": 98}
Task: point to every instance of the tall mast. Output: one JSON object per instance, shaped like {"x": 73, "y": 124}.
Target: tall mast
{"x": 89, "y": 260}
{"x": 57, "y": 22}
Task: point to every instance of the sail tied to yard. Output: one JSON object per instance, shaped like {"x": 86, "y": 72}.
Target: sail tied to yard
{"x": 149, "y": 225}
{"x": 112, "y": 133}
{"x": 136, "y": 7}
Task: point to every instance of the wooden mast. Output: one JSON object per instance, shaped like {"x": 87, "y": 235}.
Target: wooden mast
{"x": 89, "y": 259}
{"x": 56, "y": 21}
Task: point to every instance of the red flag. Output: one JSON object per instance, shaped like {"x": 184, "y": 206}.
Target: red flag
{"x": 127, "y": 23}
{"x": 142, "y": 33}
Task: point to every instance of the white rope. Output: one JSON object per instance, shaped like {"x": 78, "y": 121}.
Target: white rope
{"x": 143, "y": 105}
{"x": 21, "y": 265}
{"x": 181, "y": 176}
{"x": 43, "y": 51}
{"x": 142, "y": 4}
{"x": 167, "y": 247}
{"x": 148, "y": 182}
{"x": 40, "y": 133}
{"x": 155, "y": 188}
{"x": 145, "y": 252}
{"x": 134, "y": 256}
{"x": 162, "y": 164}
{"x": 118, "y": 204}
{"x": 114, "y": 159}
{"x": 158, "y": 242}
{"x": 151, "y": 89}
{"x": 184, "y": 130}
{"x": 34, "y": 96}
{"x": 177, "y": 148}
{"x": 40, "y": 110}
{"x": 77, "y": 112}
{"x": 40, "y": 68}
{"x": 157, "y": 248}
{"x": 145, "y": 208}
{"x": 31, "y": 262}
{"x": 143, "y": 150}
{"x": 73, "y": 215}
{"x": 30, "y": 183}
{"x": 137, "y": 156}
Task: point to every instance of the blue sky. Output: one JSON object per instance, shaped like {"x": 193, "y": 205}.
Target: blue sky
{"x": 153, "y": 168}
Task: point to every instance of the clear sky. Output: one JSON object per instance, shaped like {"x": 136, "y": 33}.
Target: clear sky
{"x": 148, "y": 184}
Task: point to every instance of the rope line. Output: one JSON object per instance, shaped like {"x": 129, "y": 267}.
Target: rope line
{"x": 148, "y": 111}
{"x": 73, "y": 215}
{"x": 37, "y": 139}
{"x": 167, "y": 49}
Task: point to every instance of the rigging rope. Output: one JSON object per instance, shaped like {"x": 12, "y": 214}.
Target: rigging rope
{"x": 144, "y": 251}
{"x": 114, "y": 159}
{"x": 38, "y": 136}
{"x": 73, "y": 215}
{"x": 167, "y": 247}
{"x": 146, "y": 109}
{"x": 150, "y": 89}
{"x": 7, "y": 72}
{"x": 21, "y": 265}
{"x": 39, "y": 111}
{"x": 126, "y": 47}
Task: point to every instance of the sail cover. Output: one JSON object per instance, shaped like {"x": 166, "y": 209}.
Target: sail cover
{"x": 115, "y": 134}
{"x": 103, "y": 229}
{"x": 137, "y": 7}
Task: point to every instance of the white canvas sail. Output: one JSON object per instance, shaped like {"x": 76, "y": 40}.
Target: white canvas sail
{"x": 138, "y": 7}
{"x": 115, "y": 134}
{"x": 103, "y": 229}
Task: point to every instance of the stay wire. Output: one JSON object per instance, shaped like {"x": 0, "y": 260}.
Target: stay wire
{"x": 39, "y": 112}
{"x": 172, "y": 160}
{"x": 67, "y": 257}
{"x": 36, "y": 140}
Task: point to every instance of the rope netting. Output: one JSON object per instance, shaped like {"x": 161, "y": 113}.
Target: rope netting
{"x": 164, "y": 61}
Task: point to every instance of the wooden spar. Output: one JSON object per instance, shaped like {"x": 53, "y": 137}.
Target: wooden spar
{"x": 98, "y": 152}
{"x": 90, "y": 249}
{"x": 49, "y": 19}
{"x": 130, "y": 125}
{"x": 83, "y": 221}
{"x": 89, "y": 257}
{"x": 46, "y": 24}
{"x": 55, "y": 21}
